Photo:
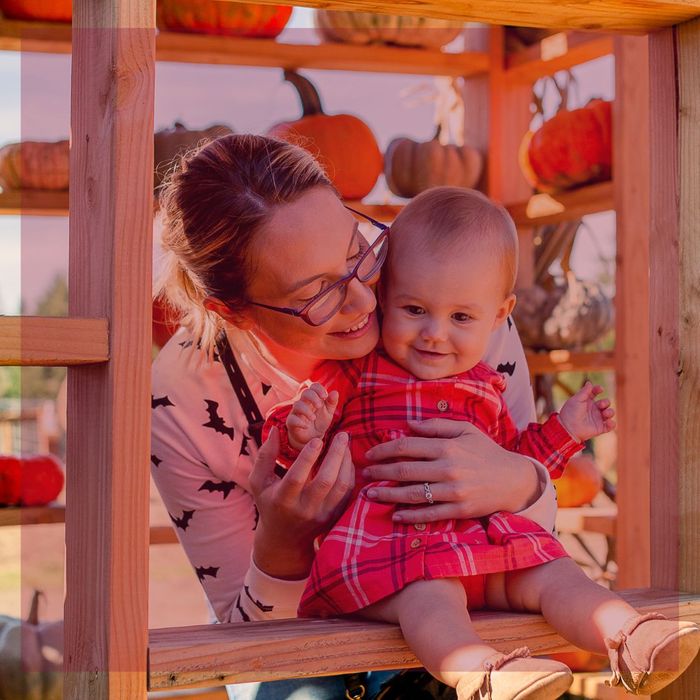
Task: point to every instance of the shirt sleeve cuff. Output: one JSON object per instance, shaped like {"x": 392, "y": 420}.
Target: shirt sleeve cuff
{"x": 556, "y": 434}
{"x": 544, "y": 510}
{"x": 265, "y": 591}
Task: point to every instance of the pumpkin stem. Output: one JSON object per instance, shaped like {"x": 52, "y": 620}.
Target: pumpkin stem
{"x": 33, "y": 617}
{"x": 310, "y": 99}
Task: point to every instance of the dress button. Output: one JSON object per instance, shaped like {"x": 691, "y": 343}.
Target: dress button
{"x": 442, "y": 405}
{"x": 419, "y": 526}
{"x": 415, "y": 543}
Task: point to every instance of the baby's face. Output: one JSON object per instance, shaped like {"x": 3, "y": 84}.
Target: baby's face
{"x": 439, "y": 311}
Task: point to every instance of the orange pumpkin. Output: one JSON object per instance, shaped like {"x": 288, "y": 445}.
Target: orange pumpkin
{"x": 223, "y": 17}
{"x": 34, "y": 165}
{"x": 343, "y": 144}
{"x": 572, "y": 148}
{"x": 580, "y": 482}
{"x": 581, "y": 660}
{"x": 49, "y": 10}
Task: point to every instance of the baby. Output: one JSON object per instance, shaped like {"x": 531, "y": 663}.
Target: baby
{"x": 448, "y": 283}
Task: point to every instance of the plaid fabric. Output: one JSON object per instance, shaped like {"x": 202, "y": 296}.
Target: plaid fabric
{"x": 365, "y": 556}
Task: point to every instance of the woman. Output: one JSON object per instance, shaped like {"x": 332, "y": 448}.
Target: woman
{"x": 259, "y": 247}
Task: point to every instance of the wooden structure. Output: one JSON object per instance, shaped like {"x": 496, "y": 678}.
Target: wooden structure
{"x": 109, "y": 651}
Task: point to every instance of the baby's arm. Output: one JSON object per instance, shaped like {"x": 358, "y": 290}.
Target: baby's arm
{"x": 311, "y": 415}
{"x": 584, "y": 417}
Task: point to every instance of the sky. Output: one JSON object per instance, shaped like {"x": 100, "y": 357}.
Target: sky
{"x": 35, "y": 105}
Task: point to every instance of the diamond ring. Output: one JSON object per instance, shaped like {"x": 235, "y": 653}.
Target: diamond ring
{"x": 428, "y": 493}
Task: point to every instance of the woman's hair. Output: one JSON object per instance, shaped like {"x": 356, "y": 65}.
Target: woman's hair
{"x": 214, "y": 202}
{"x": 453, "y": 220}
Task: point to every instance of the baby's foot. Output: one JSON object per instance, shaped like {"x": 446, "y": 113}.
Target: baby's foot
{"x": 649, "y": 652}
{"x": 515, "y": 676}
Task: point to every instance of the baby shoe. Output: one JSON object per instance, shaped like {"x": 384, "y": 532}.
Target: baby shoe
{"x": 515, "y": 676}
{"x": 651, "y": 651}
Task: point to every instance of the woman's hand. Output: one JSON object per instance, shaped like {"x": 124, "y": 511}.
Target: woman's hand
{"x": 294, "y": 509}
{"x": 469, "y": 474}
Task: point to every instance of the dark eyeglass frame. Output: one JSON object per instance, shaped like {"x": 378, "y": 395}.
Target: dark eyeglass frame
{"x": 342, "y": 282}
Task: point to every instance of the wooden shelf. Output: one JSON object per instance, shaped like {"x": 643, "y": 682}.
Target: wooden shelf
{"x": 556, "y": 52}
{"x": 204, "y": 655}
{"x": 587, "y": 519}
{"x": 46, "y": 37}
{"x": 569, "y": 361}
{"x": 34, "y": 203}
{"x": 544, "y": 208}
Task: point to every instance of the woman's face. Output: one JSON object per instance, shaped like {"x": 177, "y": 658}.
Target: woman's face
{"x": 304, "y": 247}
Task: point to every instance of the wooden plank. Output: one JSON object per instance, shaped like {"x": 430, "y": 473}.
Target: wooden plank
{"x": 33, "y": 203}
{"x": 628, "y": 16}
{"x": 198, "y": 694}
{"x": 10, "y": 517}
{"x": 560, "y": 51}
{"x": 235, "y": 653}
{"x": 569, "y": 361}
{"x": 587, "y": 519}
{"x": 181, "y": 47}
{"x": 542, "y": 208}
{"x": 52, "y": 341}
{"x": 687, "y": 526}
{"x": 107, "y": 491}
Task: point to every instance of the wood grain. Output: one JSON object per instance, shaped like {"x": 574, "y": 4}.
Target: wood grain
{"x": 569, "y": 361}
{"x": 52, "y": 341}
{"x": 235, "y": 653}
{"x": 629, "y": 16}
{"x": 107, "y": 490}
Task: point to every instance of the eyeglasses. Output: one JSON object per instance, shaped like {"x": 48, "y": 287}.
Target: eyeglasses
{"x": 324, "y": 305}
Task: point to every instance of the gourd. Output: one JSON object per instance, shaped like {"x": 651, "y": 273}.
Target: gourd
{"x": 343, "y": 144}
{"x": 412, "y": 166}
{"x": 226, "y": 18}
{"x": 31, "y": 657}
{"x": 371, "y": 27}
{"x": 169, "y": 143}
{"x": 580, "y": 483}
{"x": 35, "y": 165}
{"x": 35, "y": 480}
{"x": 48, "y": 10}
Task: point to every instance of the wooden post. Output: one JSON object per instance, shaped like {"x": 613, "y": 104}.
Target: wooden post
{"x": 684, "y": 539}
{"x": 107, "y": 494}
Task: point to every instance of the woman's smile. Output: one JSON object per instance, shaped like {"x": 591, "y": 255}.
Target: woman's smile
{"x": 358, "y": 329}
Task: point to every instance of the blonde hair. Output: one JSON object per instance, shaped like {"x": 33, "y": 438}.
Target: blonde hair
{"x": 451, "y": 219}
{"x": 213, "y": 203}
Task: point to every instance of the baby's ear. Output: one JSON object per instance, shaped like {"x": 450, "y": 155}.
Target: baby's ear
{"x": 504, "y": 310}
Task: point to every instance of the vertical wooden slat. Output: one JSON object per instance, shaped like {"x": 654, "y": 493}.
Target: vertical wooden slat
{"x": 687, "y": 511}
{"x": 112, "y": 88}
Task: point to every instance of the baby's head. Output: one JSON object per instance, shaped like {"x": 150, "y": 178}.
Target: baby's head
{"x": 448, "y": 281}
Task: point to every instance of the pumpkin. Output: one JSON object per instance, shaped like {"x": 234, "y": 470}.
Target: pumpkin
{"x": 31, "y": 657}
{"x": 343, "y": 144}
{"x": 49, "y": 10}
{"x": 169, "y": 143}
{"x": 372, "y": 28}
{"x": 572, "y": 148}
{"x": 411, "y": 166}
{"x": 580, "y": 483}
{"x": 580, "y": 660}
{"x": 30, "y": 481}
{"x": 165, "y": 322}
{"x": 223, "y": 17}
{"x": 34, "y": 165}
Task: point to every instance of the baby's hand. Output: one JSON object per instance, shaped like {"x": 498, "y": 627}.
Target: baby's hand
{"x": 584, "y": 417}
{"x": 311, "y": 415}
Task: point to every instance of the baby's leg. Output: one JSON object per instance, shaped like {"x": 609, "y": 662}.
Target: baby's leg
{"x": 578, "y": 608}
{"x": 435, "y": 623}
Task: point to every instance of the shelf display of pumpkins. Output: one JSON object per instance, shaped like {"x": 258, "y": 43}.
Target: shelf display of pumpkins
{"x": 375, "y": 28}
{"x": 35, "y": 10}
{"x": 343, "y": 144}
{"x": 242, "y": 19}
{"x": 34, "y": 165}
{"x": 572, "y": 148}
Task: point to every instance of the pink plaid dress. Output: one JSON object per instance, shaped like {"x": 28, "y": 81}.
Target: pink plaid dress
{"x": 365, "y": 556}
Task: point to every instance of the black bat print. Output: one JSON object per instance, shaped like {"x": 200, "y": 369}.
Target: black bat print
{"x": 215, "y": 420}
{"x": 203, "y": 571}
{"x": 510, "y": 322}
{"x": 506, "y": 368}
{"x": 258, "y": 604}
{"x": 244, "y": 447}
{"x": 156, "y": 461}
{"x": 186, "y": 344}
{"x": 184, "y": 521}
{"x": 265, "y": 388}
{"x": 224, "y": 486}
{"x": 240, "y": 609}
{"x": 162, "y": 401}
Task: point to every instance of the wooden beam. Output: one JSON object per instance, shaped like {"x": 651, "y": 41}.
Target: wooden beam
{"x": 52, "y": 341}
{"x": 627, "y": 16}
{"x": 203, "y": 655}
{"x": 34, "y": 203}
{"x": 569, "y": 361}
{"x": 107, "y": 490}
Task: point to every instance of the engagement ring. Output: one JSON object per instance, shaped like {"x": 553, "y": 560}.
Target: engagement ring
{"x": 428, "y": 493}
